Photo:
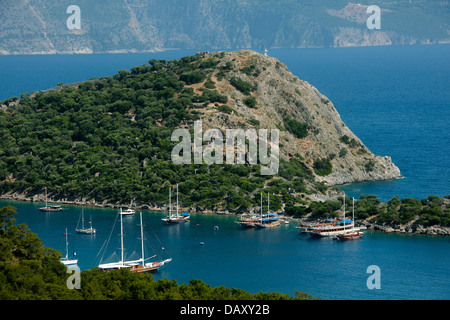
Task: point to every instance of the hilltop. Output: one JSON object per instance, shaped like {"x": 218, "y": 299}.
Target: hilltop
{"x": 107, "y": 141}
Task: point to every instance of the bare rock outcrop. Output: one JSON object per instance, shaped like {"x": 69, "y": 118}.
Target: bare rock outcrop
{"x": 279, "y": 96}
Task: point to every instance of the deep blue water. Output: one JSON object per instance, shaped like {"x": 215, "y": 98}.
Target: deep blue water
{"x": 396, "y": 99}
{"x": 280, "y": 259}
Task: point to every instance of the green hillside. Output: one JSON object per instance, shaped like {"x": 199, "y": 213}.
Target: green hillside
{"x": 109, "y": 139}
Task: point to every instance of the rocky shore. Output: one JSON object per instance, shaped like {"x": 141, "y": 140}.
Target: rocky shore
{"x": 409, "y": 228}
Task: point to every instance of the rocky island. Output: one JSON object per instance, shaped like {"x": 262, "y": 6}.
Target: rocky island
{"x": 64, "y": 138}
{"x": 107, "y": 142}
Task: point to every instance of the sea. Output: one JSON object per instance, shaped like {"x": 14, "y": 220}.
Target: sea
{"x": 395, "y": 99}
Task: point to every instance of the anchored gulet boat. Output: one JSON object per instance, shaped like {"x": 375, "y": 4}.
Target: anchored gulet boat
{"x": 248, "y": 221}
{"x": 175, "y": 218}
{"x": 338, "y": 228}
{"x": 139, "y": 265}
{"x": 305, "y": 226}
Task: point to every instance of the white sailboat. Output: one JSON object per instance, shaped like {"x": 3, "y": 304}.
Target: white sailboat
{"x": 66, "y": 261}
{"x": 84, "y": 230}
{"x": 139, "y": 265}
{"x": 51, "y": 208}
{"x": 175, "y": 218}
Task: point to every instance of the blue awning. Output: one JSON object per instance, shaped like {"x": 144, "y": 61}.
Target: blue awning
{"x": 270, "y": 219}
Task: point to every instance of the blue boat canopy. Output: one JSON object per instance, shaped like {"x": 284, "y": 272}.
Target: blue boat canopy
{"x": 270, "y": 214}
{"x": 345, "y": 221}
{"x": 269, "y": 219}
{"x": 185, "y": 214}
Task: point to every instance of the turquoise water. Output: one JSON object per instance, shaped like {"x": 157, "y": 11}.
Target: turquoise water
{"x": 280, "y": 259}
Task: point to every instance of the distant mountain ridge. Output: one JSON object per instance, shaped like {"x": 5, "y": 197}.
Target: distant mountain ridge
{"x": 39, "y": 26}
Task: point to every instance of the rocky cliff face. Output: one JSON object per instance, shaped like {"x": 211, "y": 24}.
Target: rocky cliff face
{"x": 279, "y": 96}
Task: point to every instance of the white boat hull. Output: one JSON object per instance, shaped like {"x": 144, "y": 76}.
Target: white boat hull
{"x": 329, "y": 232}
{"x": 69, "y": 262}
{"x": 86, "y": 231}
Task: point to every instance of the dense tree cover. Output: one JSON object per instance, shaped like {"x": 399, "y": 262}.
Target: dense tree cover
{"x": 28, "y": 270}
{"x": 242, "y": 85}
{"x": 430, "y": 211}
{"x": 250, "y": 102}
{"x": 110, "y": 139}
{"x": 300, "y": 130}
{"x": 351, "y": 143}
{"x": 323, "y": 167}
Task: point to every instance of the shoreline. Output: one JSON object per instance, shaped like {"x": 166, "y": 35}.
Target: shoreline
{"x": 408, "y": 229}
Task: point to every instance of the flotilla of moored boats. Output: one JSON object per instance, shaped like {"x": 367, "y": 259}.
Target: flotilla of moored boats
{"x": 336, "y": 229}
{"x": 332, "y": 228}
{"x": 138, "y": 265}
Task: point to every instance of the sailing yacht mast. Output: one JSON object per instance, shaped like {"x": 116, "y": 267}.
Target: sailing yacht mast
{"x": 344, "y": 209}
{"x": 261, "y": 208}
{"x": 67, "y": 247}
{"x": 177, "y": 199}
{"x": 121, "y": 240}
{"x": 170, "y": 202}
{"x": 353, "y": 214}
{"x": 142, "y": 240}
